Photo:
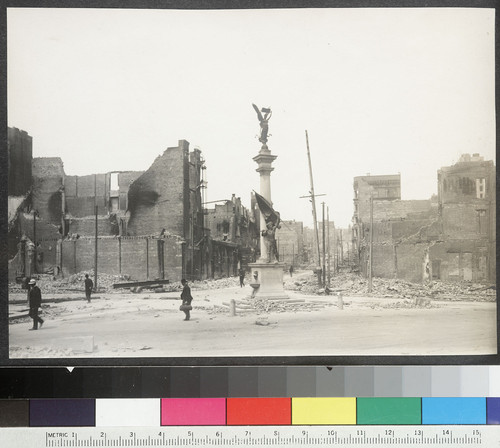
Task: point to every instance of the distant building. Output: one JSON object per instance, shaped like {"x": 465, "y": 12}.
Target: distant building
{"x": 338, "y": 244}
{"x": 290, "y": 242}
{"x": 381, "y": 188}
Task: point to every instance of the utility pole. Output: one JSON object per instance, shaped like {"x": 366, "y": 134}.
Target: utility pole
{"x": 313, "y": 200}
{"x": 34, "y": 241}
{"x": 95, "y": 250}
{"x": 192, "y": 245}
{"x": 328, "y": 246}
{"x": 370, "y": 271}
{"x": 96, "y": 232}
{"x": 323, "y": 267}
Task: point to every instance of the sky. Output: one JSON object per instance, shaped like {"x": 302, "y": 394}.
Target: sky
{"x": 380, "y": 91}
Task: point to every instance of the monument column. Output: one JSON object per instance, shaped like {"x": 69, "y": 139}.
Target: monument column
{"x": 267, "y": 272}
{"x": 264, "y": 161}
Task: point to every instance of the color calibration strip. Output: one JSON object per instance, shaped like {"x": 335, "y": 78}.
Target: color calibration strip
{"x": 250, "y": 411}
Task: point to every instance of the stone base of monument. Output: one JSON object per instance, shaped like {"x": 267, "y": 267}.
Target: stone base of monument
{"x": 269, "y": 281}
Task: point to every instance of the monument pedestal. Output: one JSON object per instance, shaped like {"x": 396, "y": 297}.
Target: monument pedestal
{"x": 270, "y": 280}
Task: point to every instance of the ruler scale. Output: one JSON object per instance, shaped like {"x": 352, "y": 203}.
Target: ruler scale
{"x": 287, "y": 436}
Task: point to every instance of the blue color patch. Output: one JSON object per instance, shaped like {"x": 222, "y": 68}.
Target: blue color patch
{"x": 493, "y": 411}
{"x": 454, "y": 411}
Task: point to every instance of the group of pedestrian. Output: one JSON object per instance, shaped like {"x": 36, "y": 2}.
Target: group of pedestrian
{"x": 35, "y": 299}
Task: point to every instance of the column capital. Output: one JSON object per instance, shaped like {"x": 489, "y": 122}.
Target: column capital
{"x": 264, "y": 159}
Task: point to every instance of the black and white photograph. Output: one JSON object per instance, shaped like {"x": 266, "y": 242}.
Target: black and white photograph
{"x": 251, "y": 183}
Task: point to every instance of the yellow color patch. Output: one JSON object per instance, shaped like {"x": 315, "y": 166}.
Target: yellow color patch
{"x": 324, "y": 411}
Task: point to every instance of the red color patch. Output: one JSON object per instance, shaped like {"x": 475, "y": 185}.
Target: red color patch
{"x": 259, "y": 411}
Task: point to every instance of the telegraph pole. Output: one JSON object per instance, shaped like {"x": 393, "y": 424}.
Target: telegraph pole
{"x": 34, "y": 241}
{"x": 313, "y": 200}
{"x": 328, "y": 246}
{"x": 96, "y": 232}
{"x": 324, "y": 246}
{"x": 95, "y": 250}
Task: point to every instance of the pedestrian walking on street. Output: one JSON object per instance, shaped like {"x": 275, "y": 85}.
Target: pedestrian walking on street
{"x": 89, "y": 284}
{"x": 35, "y": 303}
{"x": 242, "y": 277}
{"x": 186, "y": 298}
{"x": 291, "y": 270}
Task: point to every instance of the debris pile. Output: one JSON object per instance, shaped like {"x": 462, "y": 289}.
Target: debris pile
{"x": 227, "y": 282}
{"x": 202, "y": 284}
{"x": 355, "y": 285}
{"x": 74, "y": 283}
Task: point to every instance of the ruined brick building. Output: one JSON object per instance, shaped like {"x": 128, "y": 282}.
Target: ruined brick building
{"x": 451, "y": 236}
{"x": 234, "y": 235}
{"x": 147, "y": 224}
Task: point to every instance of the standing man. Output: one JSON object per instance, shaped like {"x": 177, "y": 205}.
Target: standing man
{"x": 242, "y": 277}
{"x": 35, "y": 302}
{"x": 89, "y": 284}
{"x": 186, "y": 298}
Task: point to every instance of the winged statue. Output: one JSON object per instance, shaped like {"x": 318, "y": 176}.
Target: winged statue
{"x": 264, "y": 122}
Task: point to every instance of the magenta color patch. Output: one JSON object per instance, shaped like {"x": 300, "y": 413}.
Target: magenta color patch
{"x": 193, "y": 411}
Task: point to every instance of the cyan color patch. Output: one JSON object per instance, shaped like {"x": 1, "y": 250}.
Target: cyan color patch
{"x": 454, "y": 411}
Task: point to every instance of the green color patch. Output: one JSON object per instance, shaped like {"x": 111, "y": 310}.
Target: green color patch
{"x": 389, "y": 411}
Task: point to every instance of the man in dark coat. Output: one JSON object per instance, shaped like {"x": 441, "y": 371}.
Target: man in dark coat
{"x": 242, "y": 277}
{"x": 89, "y": 284}
{"x": 35, "y": 303}
{"x": 186, "y": 298}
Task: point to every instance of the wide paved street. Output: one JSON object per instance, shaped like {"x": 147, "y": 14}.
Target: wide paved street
{"x": 150, "y": 325}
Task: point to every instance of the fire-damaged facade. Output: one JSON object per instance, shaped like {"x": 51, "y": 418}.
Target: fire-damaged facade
{"x": 450, "y": 237}
{"x": 146, "y": 224}
{"x": 234, "y": 234}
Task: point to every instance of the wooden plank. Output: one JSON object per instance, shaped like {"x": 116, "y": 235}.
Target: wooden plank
{"x": 147, "y": 283}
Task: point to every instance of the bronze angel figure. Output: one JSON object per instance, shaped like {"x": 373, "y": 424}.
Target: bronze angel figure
{"x": 264, "y": 122}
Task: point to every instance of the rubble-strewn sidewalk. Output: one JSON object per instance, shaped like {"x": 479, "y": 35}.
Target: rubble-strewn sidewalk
{"x": 74, "y": 283}
{"x": 355, "y": 285}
